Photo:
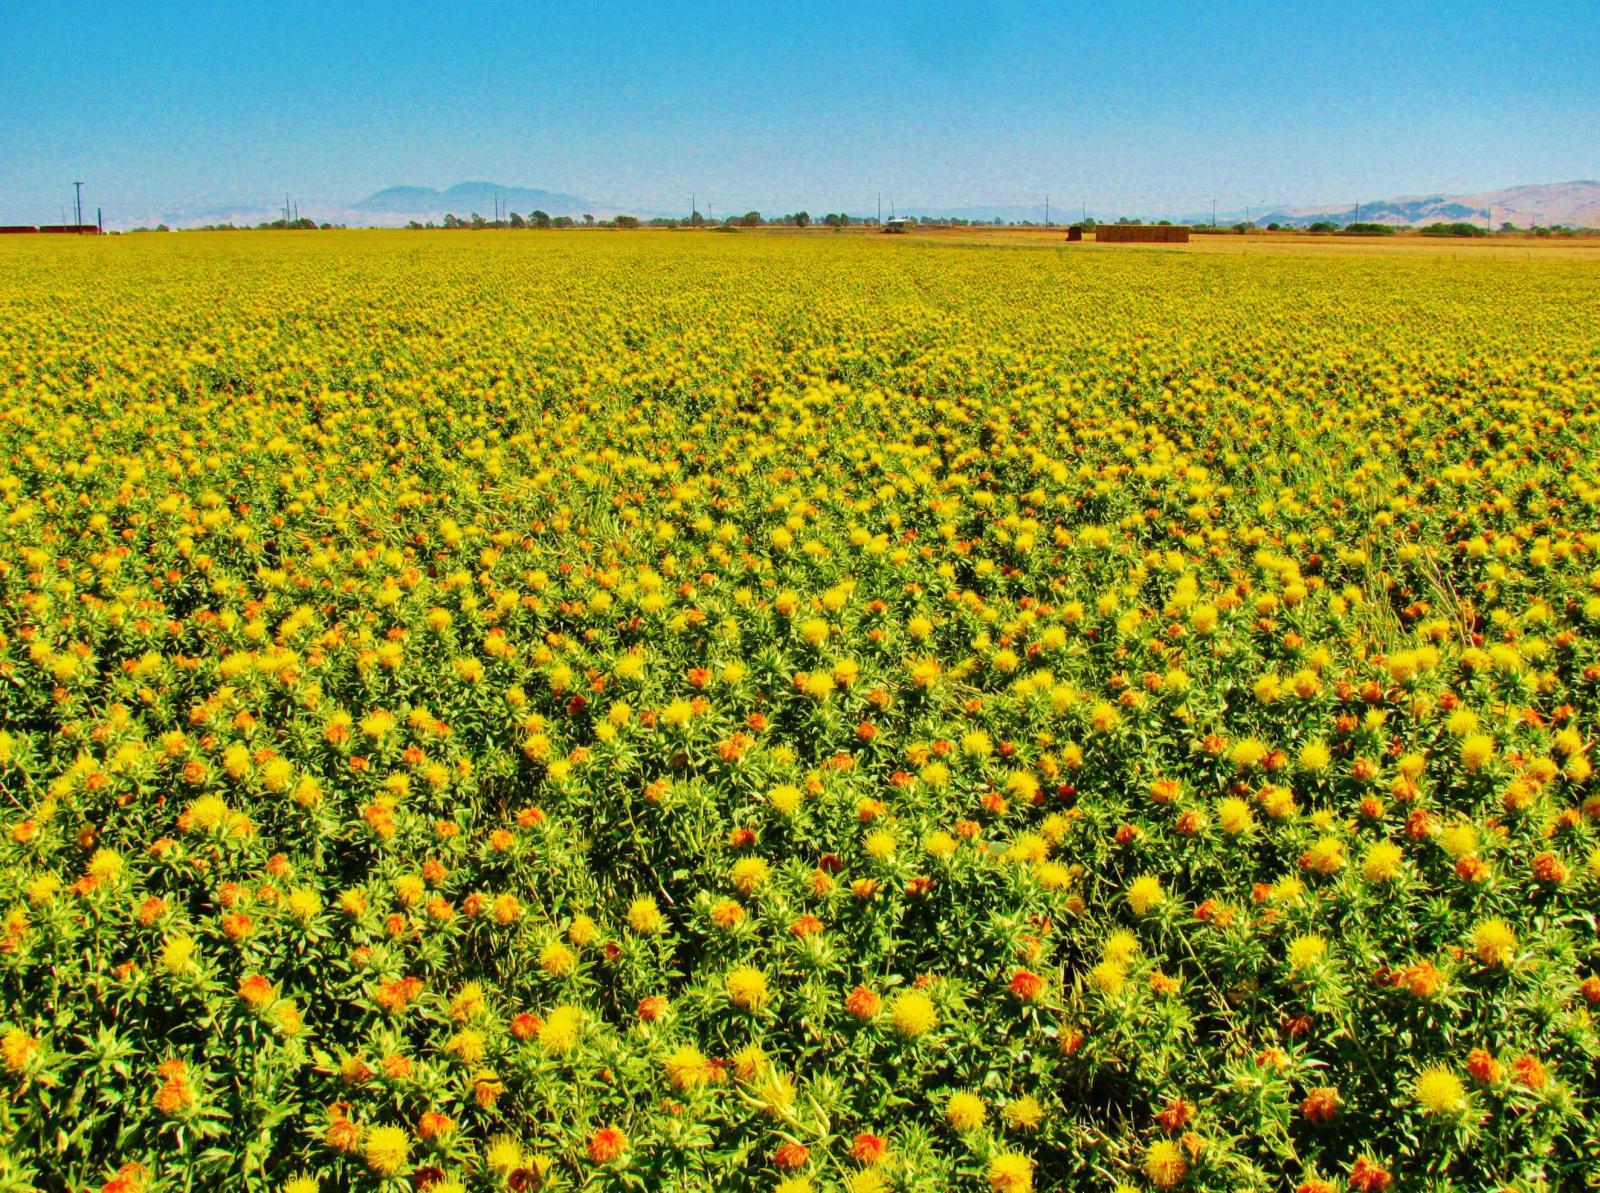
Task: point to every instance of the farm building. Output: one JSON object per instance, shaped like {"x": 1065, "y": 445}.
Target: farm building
{"x": 1075, "y": 232}
{"x": 83, "y": 229}
{"x": 1142, "y": 233}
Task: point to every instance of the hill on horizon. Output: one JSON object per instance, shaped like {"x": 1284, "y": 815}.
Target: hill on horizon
{"x": 464, "y": 198}
{"x": 1573, "y": 203}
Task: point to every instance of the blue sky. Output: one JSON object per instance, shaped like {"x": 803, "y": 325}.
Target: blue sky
{"x": 1123, "y": 106}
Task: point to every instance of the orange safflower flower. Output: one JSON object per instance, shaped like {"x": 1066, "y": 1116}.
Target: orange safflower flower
{"x": 607, "y": 1144}
{"x": 1026, "y": 986}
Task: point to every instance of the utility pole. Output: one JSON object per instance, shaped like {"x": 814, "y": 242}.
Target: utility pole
{"x": 78, "y": 204}
{"x": 1213, "y": 213}
{"x": 1358, "y": 214}
{"x": 1047, "y": 209}
{"x": 99, "y": 222}
{"x": 880, "y": 207}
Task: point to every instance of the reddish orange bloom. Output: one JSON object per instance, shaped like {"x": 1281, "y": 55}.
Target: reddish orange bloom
{"x": 342, "y": 1133}
{"x": 1320, "y": 1105}
{"x": 257, "y": 991}
{"x": 863, "y": 1003}
{"x": 395, "y": 996}
{"x": 1482, "y": 1066}
{"x": 1550, "y": 869}
{"x": 433, "y": 1125}
{"x": 1530, "y": 1072}
{"x": 238, "y": 926}
{"x": 868, "y": 1148}
{"x": 1026, "y": 985}
{"x": 606, "y": 1144}
{"x": 791, "y": 1156}
{"x": 1368, "y": 1176}
{"x": 1175, "y": 1115}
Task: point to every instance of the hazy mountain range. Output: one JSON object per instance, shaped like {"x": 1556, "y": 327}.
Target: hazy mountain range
{"x": 1572, "y": 203}
{"x": 424, "y": 203}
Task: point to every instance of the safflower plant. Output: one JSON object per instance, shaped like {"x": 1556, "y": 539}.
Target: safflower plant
{"x": 738, "y": 713}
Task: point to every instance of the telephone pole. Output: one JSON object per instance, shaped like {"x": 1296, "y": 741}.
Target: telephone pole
{"x": 1213, "y": 213}
{"x": 78, "y": 204}
{"x": 1047, "y": 210}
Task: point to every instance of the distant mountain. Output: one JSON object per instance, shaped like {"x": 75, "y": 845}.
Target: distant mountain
{"x": 401, "y": 203}
{"x": 1573, "y": 203}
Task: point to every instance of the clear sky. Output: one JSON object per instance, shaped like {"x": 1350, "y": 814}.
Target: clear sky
{"x": 1128, "y": 107}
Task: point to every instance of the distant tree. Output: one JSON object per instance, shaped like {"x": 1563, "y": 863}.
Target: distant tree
{"x": 517, "y": 221}
{"x": 478, "y": 221}
{"x": 1323, "y": 226}
{"x": 588, "y": 220}
{"x": 1508, "y": 226}
{"x": 1456, "y": 229}
{"x": 801, "y": 219}
{"x": 696, "y": 220}
{"x": 452, "y": 220}
{"x": 1365, "y": 229}
{"x": 563, "y": 221}
{"x": 413, "y": 226}
{"x": 750, "y": 219}
{"x": 539, "y": 219}
{"x": 1274, "y": 227}
{"x": 836, "y": 220}
{"x": 626, "y": 221}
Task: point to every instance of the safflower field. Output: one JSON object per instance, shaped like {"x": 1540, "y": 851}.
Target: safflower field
{"x": 692, "y": 712}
